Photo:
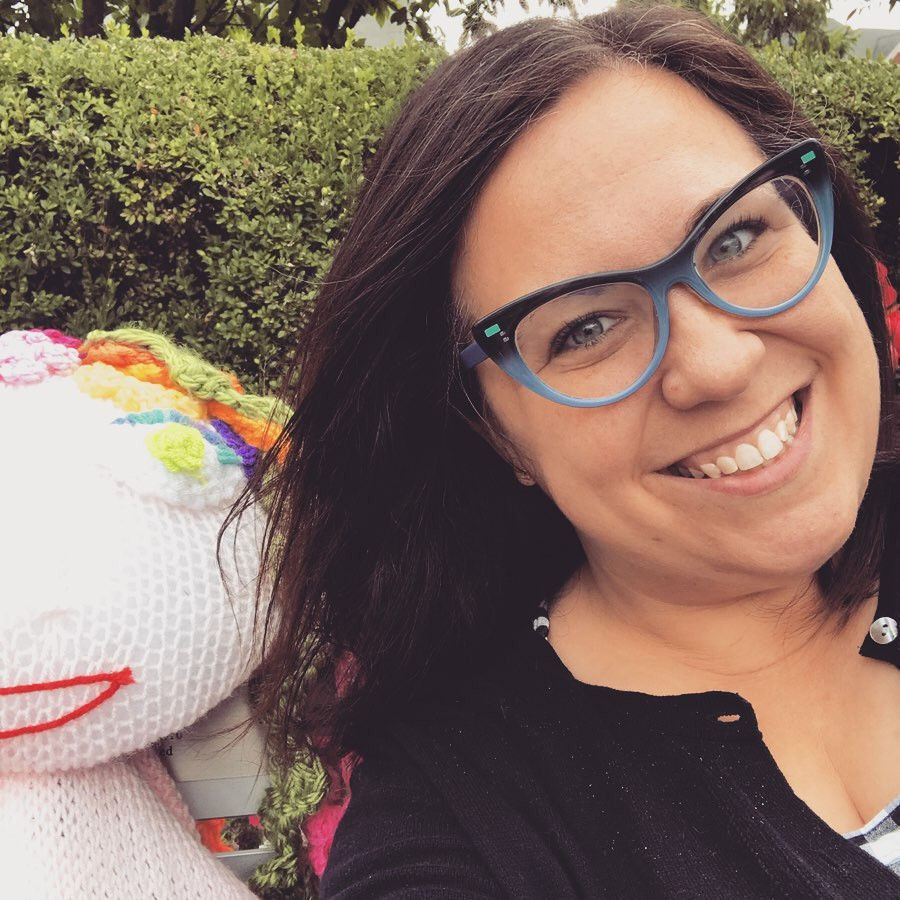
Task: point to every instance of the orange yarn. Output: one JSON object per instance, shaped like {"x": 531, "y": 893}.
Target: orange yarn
{"x": 130, "y": 360}
{"x": 153, "y": 373}
{"x": 118, "y": 355}
{"x": 259, "y": 434}
{"x": 140, "y": 363}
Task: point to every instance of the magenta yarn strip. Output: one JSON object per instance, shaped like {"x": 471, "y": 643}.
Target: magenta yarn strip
{"x": 58, "y": 337}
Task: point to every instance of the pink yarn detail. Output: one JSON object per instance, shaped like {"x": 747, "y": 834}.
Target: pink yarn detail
{"x": 29, "y": 357}
{"x": 320, "y": 830}
{"x": 344, "y": 672}
{"x": 151, "y": 769}
{"x": 58, "y": 337}
{"x": 891, "y": 312}
{"x": 320, "y": 827}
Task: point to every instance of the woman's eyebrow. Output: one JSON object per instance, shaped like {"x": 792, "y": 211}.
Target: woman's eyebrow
{"x": 700, "y": 211}
{"x": 595, "y": 290}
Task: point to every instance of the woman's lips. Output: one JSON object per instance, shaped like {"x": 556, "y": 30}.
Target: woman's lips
{"x": 762, "y": 479}
{"x": 765, "y": 441}
{"x": 104, "y": 685}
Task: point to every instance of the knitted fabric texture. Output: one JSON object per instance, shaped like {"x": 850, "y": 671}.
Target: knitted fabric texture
{"x": 101, "y": 832}
{"x": 118, "y": 469}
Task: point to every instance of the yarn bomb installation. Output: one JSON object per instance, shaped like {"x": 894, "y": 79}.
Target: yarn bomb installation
{"x": 120, "y": 458}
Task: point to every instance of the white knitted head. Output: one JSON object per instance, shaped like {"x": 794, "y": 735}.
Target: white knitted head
{"x": 115, "y": 625}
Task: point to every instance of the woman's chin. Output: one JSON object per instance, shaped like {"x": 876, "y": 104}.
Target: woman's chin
{"x": 791, "y": 554}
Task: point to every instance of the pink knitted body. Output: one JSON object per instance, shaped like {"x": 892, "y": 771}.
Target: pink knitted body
{"x": 102, "y": 832}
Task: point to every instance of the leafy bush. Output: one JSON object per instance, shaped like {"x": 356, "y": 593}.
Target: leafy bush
{"x": 200, "y": 187}
{"x": 856, "y": 104}
{"x": 194, "y": 187}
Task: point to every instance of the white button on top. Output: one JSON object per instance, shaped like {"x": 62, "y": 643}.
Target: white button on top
{"x": 883, "y": 630}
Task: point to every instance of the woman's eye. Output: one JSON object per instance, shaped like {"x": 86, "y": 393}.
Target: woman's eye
{"x": 584, "y": 333}
{"x": 733, "y": 243}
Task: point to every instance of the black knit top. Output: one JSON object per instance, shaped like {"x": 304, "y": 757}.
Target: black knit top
{"x": 522, "y": 782}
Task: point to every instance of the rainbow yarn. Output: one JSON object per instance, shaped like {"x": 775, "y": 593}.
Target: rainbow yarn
{"x": 191, "y": 418}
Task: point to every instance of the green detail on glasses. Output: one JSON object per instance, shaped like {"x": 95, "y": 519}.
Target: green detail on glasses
{"x": 808, "y": 157}
{"x": 490, "y": 332}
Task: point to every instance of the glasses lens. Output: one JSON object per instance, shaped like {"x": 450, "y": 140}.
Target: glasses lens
{"x": 592, "y": 343}
{"x": 764, "y": 248}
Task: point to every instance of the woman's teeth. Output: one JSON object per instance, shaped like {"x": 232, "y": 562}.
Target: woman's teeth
{"x": 770, "y": 444}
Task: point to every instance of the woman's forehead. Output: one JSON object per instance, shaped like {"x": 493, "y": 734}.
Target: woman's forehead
{"x": 608, "y": 178}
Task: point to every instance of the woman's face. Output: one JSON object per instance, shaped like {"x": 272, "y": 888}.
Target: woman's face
{"x": 609, "y": 179}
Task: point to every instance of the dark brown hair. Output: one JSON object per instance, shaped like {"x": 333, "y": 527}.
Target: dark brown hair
{"x": 396, "y": 534}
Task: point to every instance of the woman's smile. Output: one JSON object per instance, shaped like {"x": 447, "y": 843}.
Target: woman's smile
{"x": 759, "y": 445}
{"x": 764, "y": 459}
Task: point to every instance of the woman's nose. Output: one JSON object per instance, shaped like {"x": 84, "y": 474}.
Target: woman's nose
{"x": 711, "y": 355}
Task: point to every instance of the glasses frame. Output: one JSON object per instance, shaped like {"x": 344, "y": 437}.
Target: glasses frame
{"x": 493, "y": 334}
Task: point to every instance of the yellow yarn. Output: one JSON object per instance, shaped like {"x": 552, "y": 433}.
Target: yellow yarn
{"x": 148, "y": 372}
{"x": 179, "y": 448}
{"x": 106, "y": 383}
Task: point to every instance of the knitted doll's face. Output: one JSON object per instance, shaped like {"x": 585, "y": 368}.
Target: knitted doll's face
{"x": 115, "y": 625}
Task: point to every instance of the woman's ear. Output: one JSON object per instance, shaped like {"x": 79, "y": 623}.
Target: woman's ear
{"x": 477, "y": 415}
{"x": 523, "y": 477}
{"x": 488, "y": 431}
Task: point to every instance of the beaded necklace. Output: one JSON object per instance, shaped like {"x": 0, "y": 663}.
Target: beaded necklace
{"x": 541, "y": 621}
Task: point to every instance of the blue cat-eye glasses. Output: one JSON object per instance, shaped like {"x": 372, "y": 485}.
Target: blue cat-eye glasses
{"x": 595, "y": 339}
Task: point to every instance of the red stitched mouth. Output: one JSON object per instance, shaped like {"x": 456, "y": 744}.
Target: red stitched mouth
{"x": 113, "y": 681}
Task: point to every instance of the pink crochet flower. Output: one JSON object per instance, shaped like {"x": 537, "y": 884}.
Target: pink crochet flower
{"x": 28, "y": 357}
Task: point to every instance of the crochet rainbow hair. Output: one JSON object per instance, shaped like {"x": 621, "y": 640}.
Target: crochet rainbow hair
{"x": 192, "y": 416}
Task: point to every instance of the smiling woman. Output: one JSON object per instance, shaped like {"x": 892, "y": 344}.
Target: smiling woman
{"x": 720, "y": 375}
{"x": 589, "y": 486}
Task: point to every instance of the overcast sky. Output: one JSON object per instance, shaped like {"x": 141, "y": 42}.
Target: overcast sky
{"x": 871, "y": 14}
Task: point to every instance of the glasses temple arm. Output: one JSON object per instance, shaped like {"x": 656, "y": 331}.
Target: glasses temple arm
{"x": 472, "y": 355}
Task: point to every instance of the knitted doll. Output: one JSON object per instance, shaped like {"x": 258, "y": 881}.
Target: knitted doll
{"x": 119, "y": 460}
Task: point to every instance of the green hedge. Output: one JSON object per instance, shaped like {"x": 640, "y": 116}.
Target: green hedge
{"x": 200, "y": 187}
{"x": 194, "y": 187}
{"x": 856, "y": 104}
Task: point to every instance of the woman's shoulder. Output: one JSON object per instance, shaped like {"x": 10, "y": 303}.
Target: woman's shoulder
{"x": 397, "y": 839}
{"x": 453, "y": 789}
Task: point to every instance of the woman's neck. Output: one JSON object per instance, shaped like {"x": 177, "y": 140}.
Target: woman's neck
{"x": 750, "y": 644}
